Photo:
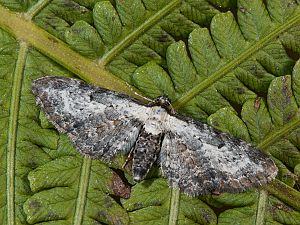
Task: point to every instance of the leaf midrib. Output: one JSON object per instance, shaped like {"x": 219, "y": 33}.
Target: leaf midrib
{"x": 12, "y": 132}
{"x": 24, "y": 29}
{"x": 82, "y": 191}
{"x": 261, "y": 207}
{"x": 279, "y": 133}
{"x": 130, "y": 38}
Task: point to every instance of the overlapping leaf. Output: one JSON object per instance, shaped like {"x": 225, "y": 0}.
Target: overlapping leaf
{"x": 238, "y": 74}
{"x": 149, "y": 204}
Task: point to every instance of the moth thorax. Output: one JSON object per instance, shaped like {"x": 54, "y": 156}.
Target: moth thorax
{"x": 154, "y": 124}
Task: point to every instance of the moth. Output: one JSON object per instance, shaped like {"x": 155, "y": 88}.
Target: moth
{"x": 193, "y": 156}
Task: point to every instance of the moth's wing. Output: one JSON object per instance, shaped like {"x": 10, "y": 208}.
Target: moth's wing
{"x": 198, "y": 159}
{"x": 100, "y": 123}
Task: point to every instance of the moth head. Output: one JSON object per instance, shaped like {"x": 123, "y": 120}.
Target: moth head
{"x": 164, "y": 102}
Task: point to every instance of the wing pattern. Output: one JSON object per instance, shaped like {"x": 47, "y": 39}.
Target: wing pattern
{"x": 199, "y": 159}
{"x": 100, "y": 123}
{"x": 193, "y": 156}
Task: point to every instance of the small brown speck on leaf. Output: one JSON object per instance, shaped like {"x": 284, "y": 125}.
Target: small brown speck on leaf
{"x": 119, "y": 187}
{"x": 257, "y": 104}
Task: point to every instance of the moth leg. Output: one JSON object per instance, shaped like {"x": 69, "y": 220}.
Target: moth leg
{"x": 129, "y": 158}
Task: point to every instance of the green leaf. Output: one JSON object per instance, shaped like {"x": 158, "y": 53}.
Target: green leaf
{"x": 154, "y": 5}
{"x": 210, "y": 101}
{"x": 238, "y": 71}
{"x": 257, "y": 119}
{"x": 149, "y": 204}
{"x": 177, "y": 24}
{"x": 199, "y": 11}
{"x": 282, "y": 213}
{"x": 204, "y": 53}
{"x": 153, "y": 81}
{"x": 85, "y": 39}
{"x": 180, "y": 66}
{"x": 57, "y": 17}
{"x": 228, "y": 38}
{"x": 282, "y": 104}
{"x": 59, "y": 190}
{"x": 232, "y": 125}
{"x": 289, "y": 39}
{"x": 296, "y": 81}
{"x": 286, "y": 152}
{"x": 254, "y": 19}
{"x": 247, "y": 213}
{"x": 232, "y": 88}
{"x": 107, "y": 22}
{"x": 285, "y": 175}
{"x": 132, "y": 12}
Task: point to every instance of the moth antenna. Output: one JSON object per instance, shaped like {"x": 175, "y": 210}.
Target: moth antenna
{"x": 143, "y": 97}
